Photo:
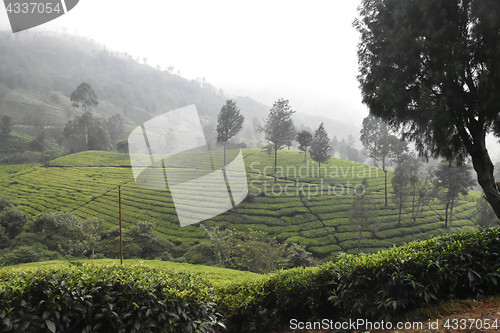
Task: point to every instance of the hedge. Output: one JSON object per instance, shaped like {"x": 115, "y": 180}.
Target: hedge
{"x": 379, "y": 286}
{"x": 90, "y": 298}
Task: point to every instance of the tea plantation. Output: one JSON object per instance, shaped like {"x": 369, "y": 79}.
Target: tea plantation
{"x": 301, "y": 208}
{"x": 163, "y": 297}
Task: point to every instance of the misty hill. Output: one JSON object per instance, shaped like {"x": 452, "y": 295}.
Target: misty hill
{"x": 38, "y": 72}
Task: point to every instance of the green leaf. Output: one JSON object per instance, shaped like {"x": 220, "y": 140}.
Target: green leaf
{"x": 50, "y": 325}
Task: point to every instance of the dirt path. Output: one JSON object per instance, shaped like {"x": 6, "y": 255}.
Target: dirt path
{"x": 455, "y": 316}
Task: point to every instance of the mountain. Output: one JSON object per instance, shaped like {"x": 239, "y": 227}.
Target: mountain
{"x": 38, "y": 72}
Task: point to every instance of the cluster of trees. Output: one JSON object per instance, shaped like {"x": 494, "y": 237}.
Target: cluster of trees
{"x": 414, "y": 188}
{"x": 280, "y": 131}
{"x": 431, "y": 73}
{"x": 415, "y": 191}
{"x": 88, "y": 131}
{"x": 251, "y": 251}
{"x": 381, "y": 145}
{"x": 64, "y": 235}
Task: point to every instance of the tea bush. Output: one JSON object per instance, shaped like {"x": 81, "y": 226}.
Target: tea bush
{"x": 88, "y": 298}
{"x": 377, "y": 286}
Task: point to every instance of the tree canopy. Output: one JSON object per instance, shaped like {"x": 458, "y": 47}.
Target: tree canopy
{"x": 452, "y": 180}
{"x": 431, "y": 69}
{"x": 84, "y": 96}
{"x": 279, "y": 128}
{"x": 380, "y": 144}
{"x": 320, "y": 147}
{"x": 304, "y": 139}
{"x": 229, "y": 123}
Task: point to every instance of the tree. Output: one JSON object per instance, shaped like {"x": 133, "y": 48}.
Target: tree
{"x": 320, "y": 147}
{"x": 361, "y": 213}
{"x": 38, "y": 143}
{"x": 297, "y": 256}
{"x": 404, "y": 174}
{"x": 279, "y": 128}
{"x": 485, "y": 215}
{"x": 115, "y": 128}
{"x": 122, "y": 146}
{"x": 223, "y": 243}
{"x": 86, "y": 132}
{"x": 304, "y": 139}
{"x": 90, "y": 232}
{"x": 431, "y": 69}
{"x": 334, "y": 145}
{"x": 4, "y": 204}
{"x": 5, "y": 125}
{"x": 61, "y": 232}
{"x": 84, "y": 97}
{"x": 380, "y": 144}
{"x": 421, "y": 195}
{"x": 229, "y": 123}
{"x": 255, "y": 251}
{"x": 144, "y": 236}
{"x": 12, "y": 221}
{"x": 343, "y": 149}
{"x": 453, "y": 180}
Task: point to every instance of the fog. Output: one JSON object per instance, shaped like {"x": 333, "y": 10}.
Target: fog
{"x": 301, "y": 51}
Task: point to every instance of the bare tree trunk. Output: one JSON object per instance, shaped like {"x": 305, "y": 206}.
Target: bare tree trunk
{"x": 225, "y": 156}
{"x": 484, "y": 168}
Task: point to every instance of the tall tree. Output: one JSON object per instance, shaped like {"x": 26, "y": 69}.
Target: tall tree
{"x": 404, "y": 174}
{"x": 86, "y": 132}
{"x": 115, "y": 127}
{"x": 421, "y": 195}
{"x": 432, "y": 70}
{"x": 485, "y": 217}
{"x": 452, "y": 180}
{"x": 343, "y": 149}
{"x": 380, "y": 144}
{"x": 304, "y": 139}
{"x": 84, "y": 97}
{"x": 279, "y": 128}
{"x": 334, "y": 145}
{"x": 361, "y": 213}
{"x": 320, "y": 147}
{"x": 229, "y": 123}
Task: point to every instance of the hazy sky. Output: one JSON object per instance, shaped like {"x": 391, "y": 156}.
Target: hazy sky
{"x": 303, "y": 51}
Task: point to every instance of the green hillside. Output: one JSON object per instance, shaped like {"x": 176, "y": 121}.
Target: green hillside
{"x": 301, "y": 208}
{"x": 216, "y": 275}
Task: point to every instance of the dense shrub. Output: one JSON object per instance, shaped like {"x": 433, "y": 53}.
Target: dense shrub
{"x": 105, "y": 299}
{"x": 13, "y": 221}
{"x": 377, "y": 286}
{"x": 26, "y": 253}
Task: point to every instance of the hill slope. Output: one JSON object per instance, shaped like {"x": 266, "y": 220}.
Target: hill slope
{"x": 301, "y": 208}
{"x": 38, "y": 72}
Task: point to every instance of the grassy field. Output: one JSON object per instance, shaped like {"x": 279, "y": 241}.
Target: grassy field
{"x": 302, "y": 207}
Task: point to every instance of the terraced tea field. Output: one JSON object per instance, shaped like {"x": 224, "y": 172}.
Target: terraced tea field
{"x": 302, "y": 207}
{"x": 216, "y": 275}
